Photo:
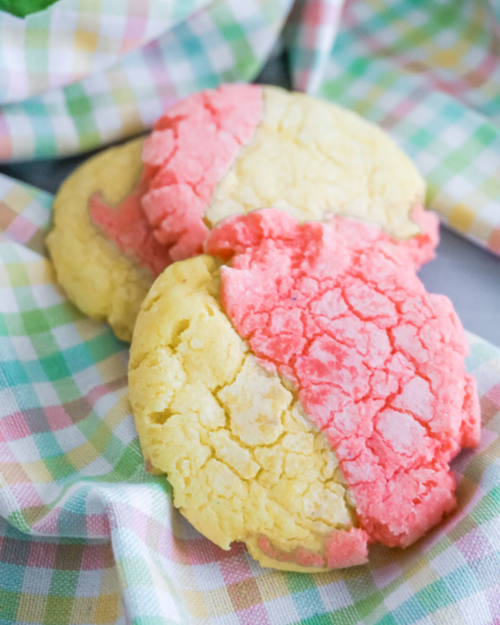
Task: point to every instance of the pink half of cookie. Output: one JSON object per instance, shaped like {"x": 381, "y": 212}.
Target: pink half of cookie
{"x": 378, "y": 363}
{"x": 191, "y": 148}
{"x": 128, "y": 228}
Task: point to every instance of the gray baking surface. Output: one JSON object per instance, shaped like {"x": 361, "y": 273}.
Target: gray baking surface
{"x": 470, "y": 277}
{"x": 467, "y": 274}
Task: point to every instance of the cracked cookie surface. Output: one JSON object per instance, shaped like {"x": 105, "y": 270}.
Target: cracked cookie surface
{"x": 312, "y": 158}
{"x": 251, "y": 392}
{"x": 243, "y": 459}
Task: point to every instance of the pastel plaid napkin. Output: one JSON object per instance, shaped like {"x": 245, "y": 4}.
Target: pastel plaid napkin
{"x": 88, "y": 536}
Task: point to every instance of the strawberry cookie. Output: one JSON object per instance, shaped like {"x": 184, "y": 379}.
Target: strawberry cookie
{"x": 302, "y": 391}
{"x": 216, "y": 153}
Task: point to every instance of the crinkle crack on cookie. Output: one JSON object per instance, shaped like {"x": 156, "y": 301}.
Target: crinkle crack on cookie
{"x": 291, "y": 405}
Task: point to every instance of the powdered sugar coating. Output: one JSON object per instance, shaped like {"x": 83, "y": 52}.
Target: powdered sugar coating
{"x": 377, "y": 362}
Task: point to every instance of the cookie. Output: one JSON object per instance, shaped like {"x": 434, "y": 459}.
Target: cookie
{"x": 243, "y": 147}
{"x": 302, "y": 391}
{"x": 220, "y": 152}
{"x": 104, "y": 281}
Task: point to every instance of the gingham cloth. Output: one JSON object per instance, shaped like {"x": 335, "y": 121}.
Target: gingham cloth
{"x": 87, "y": 536}
{"x": 115, "y": 550}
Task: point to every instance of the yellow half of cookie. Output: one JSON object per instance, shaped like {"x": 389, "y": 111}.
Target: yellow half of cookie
{"x": 243, "y": 459}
